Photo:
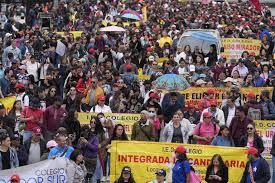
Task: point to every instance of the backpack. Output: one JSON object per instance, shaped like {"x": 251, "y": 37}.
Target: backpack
{"x": 254, "y": 113}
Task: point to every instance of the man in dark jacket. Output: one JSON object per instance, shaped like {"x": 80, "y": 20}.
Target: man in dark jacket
{"x": 20, "y": 149}
{"x": 229, "y": 110}
{"x": 238, "y": 125}
{"x": 35, "y": 146}
{"x": 268, "y": 106}
{"x": 256, "y": 169}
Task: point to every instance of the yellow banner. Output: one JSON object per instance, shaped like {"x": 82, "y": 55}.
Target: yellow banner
{"x": 234, "y": 47}
{"x": 145, "y": 158}
{"x": 195, "y": 94}
{"x": 144, "y": 13}
{"x": 8, "y": 102}
{"x": 75, "y": 33}
{"x": 127, "y": 120}
{"x": 266, "y": 130}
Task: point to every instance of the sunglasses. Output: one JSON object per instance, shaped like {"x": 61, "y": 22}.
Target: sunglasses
{"x": 250, "y": 128}
{"x": 151, "y": 111}
{"x": 93, "y": 82}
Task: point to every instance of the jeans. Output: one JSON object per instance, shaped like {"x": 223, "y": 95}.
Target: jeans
{"x": 26, "y": 135}
{"x": 98, "y": 171}
{"x": 273, "y": 169}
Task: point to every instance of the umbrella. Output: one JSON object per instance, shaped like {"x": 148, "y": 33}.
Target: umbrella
{"x": 131, "y": 16}
{"x": 112, "y": 29}
{"x": 172, "y": 82}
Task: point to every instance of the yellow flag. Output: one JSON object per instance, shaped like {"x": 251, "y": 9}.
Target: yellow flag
{"x": 144, "y": 13}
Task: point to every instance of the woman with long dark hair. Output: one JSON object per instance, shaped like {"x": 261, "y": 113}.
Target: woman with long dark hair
{"x": 126, "y": 176}
{"x": 212, "y": 55}
{"x": 251, "y": 139}
{"x": 223, "y": 138}
{"x": 15, "y": 114}
{"x": 217, "y": 171}
{"x": 181, "y": 169}
{"x": 52, "y": 93}
{"x": 72, "y": 126}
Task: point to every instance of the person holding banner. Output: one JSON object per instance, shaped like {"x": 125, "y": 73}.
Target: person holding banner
{"x": 160, "y": 177}
{"x": 126, "y": 176}
{"x": 181, "y": 169}
{"x": 256, "y": 169}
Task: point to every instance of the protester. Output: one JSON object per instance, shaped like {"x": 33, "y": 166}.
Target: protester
{"x": 217, "y": 114}
{"x": 223, "y": 138}
{"x": 15, "y": 179}
{"x": 8, "y": 155}
{"x": 205, "y": 131}
{"x": 160, "y": 177}
{"x": 181, "y": 169}
{"x": 34, "y": 145}
{"x": 251, "y": 139}
{"x": 267, "y": 105}
{"x": 77, "y": 167}
{"x": 256, "y": 169}
{"x": 126, "y": 176}
{"x": 20, "y": 149}
{"x": 238, "y": 125}
{"x": 272, "y": 152}
{"x": 61, "y": 150}
{"x": 217, "y": 171}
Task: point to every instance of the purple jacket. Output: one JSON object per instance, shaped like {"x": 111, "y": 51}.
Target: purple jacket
{"x": 53, "y": 118}
{"x": 90, "y": 149}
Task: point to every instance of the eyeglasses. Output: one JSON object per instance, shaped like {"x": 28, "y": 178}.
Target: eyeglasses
{"x": 250, "y": 128}
{"x": 53, "y": 90}
{"x": 93, "y": 82}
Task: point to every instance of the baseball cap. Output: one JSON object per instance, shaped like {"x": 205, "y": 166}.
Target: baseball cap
{"x": 180, "y": 149}
{"x": 19, "y": 86}
{"x": 51, "y": 143}
{"x": 151, "y": 58}
{"x": 251, "y": 95}
{"x": 15, "y": 178}
{"x": 102, "y": 98}
{"x": 161, "y": 172}
{"x": 211, "y": 91}
{"x": 207, "y": 114}
{"x": 126, "y": 169}
{"x": 200, "y": 82}
{"x": 129, "y": 66}
{"x": 228, "y": 79}
{"x": 154, "y": 95}
{"x": 252, "y": 150}
{"x": 36, "y": 130}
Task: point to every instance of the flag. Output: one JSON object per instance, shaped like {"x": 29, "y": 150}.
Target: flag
{"x": 257, "y": 4}
{"x": 144, "y": 13}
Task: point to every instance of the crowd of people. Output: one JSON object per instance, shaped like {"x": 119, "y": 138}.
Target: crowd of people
{"x": 99, "y": 73}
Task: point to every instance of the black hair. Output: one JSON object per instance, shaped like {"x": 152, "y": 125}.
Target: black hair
{"x": 123, "y": 136}
{"x": 31, "y": 79}
{"x": 58, "y": 99}
{"x": 222, "y": 165}
{"x": 131, "y": 179}
{"x": 173, "y": 94}
{"x": 222, "y": 128}
{"x": 74, "y": 155}
{"x": 98, "y": 126}
{"x": 241, "y": 109}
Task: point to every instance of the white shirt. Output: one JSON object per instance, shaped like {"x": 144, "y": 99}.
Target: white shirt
{"x": 99, "y": 109}
{"x": 243, "y": 71}
{"x": 231, "y": 114}
{"x": 26, "y": 101}
{"x": 32, "y": 69}
{"x": 219, "y": 115}
{"x": 34, "y": 153}
{"x": 179, "y": 56}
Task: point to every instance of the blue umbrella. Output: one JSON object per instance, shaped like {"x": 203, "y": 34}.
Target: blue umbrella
{"x": 172, "y": 82}
{"x": 204, "y": 36}
{"x": 130, "y": 16}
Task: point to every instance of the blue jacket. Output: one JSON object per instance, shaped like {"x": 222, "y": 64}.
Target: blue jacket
{"x": 57, "y": 151}
{"x": 14, "y": 163}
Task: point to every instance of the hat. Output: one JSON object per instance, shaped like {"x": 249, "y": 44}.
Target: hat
{"x": 154, "y": 95}
{"x": 228, "y": 79}
{"x": 51, "y": 143}
{"x": 192, "y": 68}
{"x": 37, "y": 130}
{"x": 211, "y": 91}
{"x": 180, "y": 149}
{"x": 144, "y": 112}
{"x": 151, "y": 58}
{"x": 149, "y": 49}
{"x": 8, "y": 34}
{"x": 252, "y": 150}
{"x": 35, "y": 102}
{"x": 129, "y": 66}
{"x": 213, "y": 102}
{"x": 200, "y": 82}
{"x": 23, "y": 67}
{"x": 102, "y": 98}
{"x": 126, "y": 169}
{"x": 15, "y": 178}
{"x": 161, "y": 172}
{"x": 207, "y": 114}
{"x": 91, "y": 51}
{"x": 19, "y": 86}
{"x": 251, "y": 95}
